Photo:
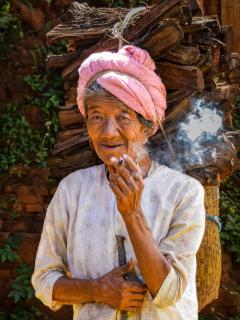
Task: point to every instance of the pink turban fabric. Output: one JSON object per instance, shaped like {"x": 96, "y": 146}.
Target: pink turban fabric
{"x": 129, "y": 75}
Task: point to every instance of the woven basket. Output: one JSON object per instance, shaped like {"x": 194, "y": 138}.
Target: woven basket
{"x": 209, "y": 254}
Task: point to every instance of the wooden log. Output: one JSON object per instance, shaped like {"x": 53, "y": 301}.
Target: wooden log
{"x": 234, "y": 75}
{"x": 195, "y": 7}
{"x": 201, "y": 61}
{"x": 63, "y": 135}
{"x": 224, "y": 99}
{"x": 234, "y": 137}
{"x": 202, "y": 23}
{"x": 67, "y": 107}
{"x": 176, "y": 97}
{"x": 228, "y": 77}
{"x": 179, "y": 111}
{"x": 183, "y": 55}
{"x": 167, "y": 36}
{"x": 70, "y": 118}
{"x": 143, "y": 21}
{"x": 71, "y": 96}
{"x": 87, "y": 158}
{"x": 216, "y": 51}
{"x": 225, "y": 162}
{"x": 180, "y": 13}
{"x": 69, "y": 143}
{"x": 84, "y": 23}
{"x": 203, "y": 36}
{"x": 180, "y": 77}
{"x": 61, "y": 60}
{"x": 226, "y": 36}
{"x": 228, "y": 92}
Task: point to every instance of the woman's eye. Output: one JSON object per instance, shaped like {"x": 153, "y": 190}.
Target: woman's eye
{"x": 124, "y": 119}
{"x": 95, "y": 118}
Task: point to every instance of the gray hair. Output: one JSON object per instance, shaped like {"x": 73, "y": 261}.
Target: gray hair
{"x": 96, "y": 89}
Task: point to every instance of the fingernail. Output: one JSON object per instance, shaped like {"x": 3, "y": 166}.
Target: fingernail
{"x": 113, "y": 159}
{"x": 124, "y": 156}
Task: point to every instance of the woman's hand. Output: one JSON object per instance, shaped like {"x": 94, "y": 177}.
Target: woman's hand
{"x": 119, "y": 293}
{"x": 127, "y": 184}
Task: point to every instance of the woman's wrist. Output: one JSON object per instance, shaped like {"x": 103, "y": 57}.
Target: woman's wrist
{"x": 72, "y": 291}
{"x": 98, "y": 290}
{"x": 133, "y": 216}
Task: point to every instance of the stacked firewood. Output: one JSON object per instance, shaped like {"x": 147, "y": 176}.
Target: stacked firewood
{"x": 192, "y": 54}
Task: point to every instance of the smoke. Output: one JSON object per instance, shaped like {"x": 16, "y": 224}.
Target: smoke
{"x": 195, "y": 139}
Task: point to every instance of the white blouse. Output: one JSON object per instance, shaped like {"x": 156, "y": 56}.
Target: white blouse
{"x": 79, "y": 236}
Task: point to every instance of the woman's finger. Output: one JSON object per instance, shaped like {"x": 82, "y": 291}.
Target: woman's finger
{"x": 117, "y": 191}
{"x": 119, "y": 181}
{"x": 137, "y": 287}
{"x": 115, "y": 163}
{"x": 111, "y": 169}
{"x": 132, "y": 166}
{"x": 125, "y": 174}
{"x": 137, "y": 297}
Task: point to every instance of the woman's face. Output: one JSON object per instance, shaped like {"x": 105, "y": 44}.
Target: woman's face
{"x": 114, "y": 129}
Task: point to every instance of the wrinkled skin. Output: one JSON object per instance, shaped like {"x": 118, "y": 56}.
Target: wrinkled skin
{"x": 115, "y": 130}
{"x": 119, "y": 293}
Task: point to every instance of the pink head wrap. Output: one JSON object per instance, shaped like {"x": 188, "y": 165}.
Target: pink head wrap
{"x": 128, "y": 75}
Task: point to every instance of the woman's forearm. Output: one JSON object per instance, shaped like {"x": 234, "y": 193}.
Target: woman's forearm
{"x": 152, "y": 263}
{"x": 71, "y": 291}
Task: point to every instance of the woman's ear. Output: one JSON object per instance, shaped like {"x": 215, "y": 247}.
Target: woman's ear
{"x": 150, "y": 131}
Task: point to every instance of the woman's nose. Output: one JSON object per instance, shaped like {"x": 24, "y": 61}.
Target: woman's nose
{"x": 110, "y": 128}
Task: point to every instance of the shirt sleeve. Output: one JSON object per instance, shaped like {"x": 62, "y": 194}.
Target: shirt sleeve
{"x": 182, "y": 243}
{"x": 51, "y": 258}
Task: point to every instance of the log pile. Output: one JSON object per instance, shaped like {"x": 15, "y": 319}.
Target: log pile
{"x": 193, "y": 54}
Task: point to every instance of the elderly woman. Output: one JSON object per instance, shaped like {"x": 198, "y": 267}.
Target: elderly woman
{"x": 159, "y": 211}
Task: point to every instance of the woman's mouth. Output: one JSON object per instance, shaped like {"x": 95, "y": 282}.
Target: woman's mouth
{"x": 111, "y": 146}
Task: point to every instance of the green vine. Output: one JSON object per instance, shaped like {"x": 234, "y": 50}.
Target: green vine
{"x": 21, "y": 288}
{"x": 20, "y": 142}
{"x": 10, "y": 27}
{"x": 8, "y": 251}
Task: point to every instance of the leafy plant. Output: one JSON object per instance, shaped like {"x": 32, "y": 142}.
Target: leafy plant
{"x": 21, "y": 287}
{"x": 19, "y": 141}
{"x": 230, "y": 205}
{"x": 8, "y": 251}
{"x": 48, "y": 91}
{"x": 2, "y": 316}
{"x": 23, "y": 313}
{"x": 10, "y": 27}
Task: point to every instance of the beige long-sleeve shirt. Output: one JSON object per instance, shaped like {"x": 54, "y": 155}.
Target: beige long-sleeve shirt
{"x": 79, "y": 232}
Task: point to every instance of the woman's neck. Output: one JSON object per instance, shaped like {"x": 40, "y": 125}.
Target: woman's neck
{"x": 145, "y": 164}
